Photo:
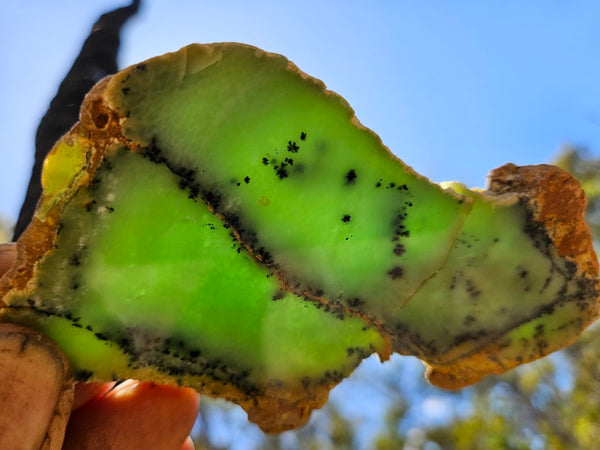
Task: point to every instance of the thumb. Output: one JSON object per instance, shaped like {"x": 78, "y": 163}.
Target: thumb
{"x": 36, "y": 390}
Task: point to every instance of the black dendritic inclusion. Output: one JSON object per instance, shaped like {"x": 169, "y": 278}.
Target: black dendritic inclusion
{"x": 351, "y": 176}
{"x": 283, "y": 163}
{"x": 282, "y": 167}
{"x": 169, "y": 355}
{"x": 472, "y": 289}
{"x": 187, "y": 177}
{"x": 175, "y": 357}
{"x": 399, "y": 228}
{"x": 399, "y": 231}
{"x": 279, "y": 295}
{"x": 334, "y": 307}
{"x": 355, "y": 302}
{"x": 292, "y": 147}
{"x": 396, "y": 272}
{"x": 75, "y": 261}
{"x": 399, "y": 250}
{"x": 469, "y": 319}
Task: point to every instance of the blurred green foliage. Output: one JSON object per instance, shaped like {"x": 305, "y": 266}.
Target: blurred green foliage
{"x": 553, "y": 403}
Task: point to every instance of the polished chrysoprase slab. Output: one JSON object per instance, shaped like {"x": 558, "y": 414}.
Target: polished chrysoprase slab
{"x": 219, "y": 219}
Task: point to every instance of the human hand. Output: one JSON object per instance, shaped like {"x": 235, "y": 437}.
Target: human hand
{"x": 41, "y": 405}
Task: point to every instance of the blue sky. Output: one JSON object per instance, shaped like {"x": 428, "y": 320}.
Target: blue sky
{"x": 453, "y": 88}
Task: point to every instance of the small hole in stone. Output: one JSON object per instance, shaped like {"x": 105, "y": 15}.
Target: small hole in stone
{"x": 100, "y": 120}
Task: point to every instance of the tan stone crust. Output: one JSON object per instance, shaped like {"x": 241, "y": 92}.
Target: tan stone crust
{"x": 98, "y": 127}
{"x": 557, "y": 201}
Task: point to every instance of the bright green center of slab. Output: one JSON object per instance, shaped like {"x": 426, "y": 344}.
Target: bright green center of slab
{"x": 150, "y": 267}
{"x": 336, "y": 214}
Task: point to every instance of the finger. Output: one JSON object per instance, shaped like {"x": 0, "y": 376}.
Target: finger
{"x": 85, "y": 392}
{"x": 134, "y": 415}
{"x": 8, "y": 254}
{"x": 36, "y": 389}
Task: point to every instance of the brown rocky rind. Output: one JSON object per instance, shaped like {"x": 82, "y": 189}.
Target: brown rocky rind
{"x": 98, "y": 127}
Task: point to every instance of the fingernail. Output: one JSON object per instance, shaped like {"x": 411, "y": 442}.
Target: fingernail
{"x": 33, "y": 377}
{"x": 124, "y": 388}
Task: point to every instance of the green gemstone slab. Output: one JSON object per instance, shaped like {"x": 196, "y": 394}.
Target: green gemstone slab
{"x": 265, "y": 160}
{"x": 465, "y": 293}
{"x": 218, "y": 219}
{"x": 157, "y": 280}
